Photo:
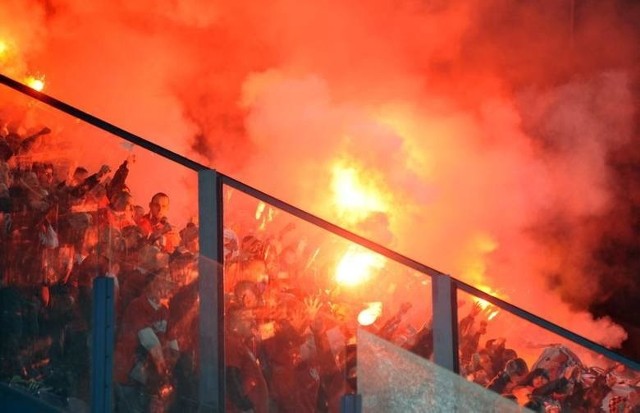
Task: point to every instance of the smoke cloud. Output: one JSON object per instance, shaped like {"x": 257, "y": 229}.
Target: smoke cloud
{"x": 491, "y": 128}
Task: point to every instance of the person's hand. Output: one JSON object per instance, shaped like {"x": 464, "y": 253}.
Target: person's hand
{"x": 104, "y": 169}
{"x": 297, "y": 319}
{"x": 312, "y": 306}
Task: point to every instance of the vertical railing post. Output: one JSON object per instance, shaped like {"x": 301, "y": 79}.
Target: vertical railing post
{"x": 351, "y": 401}
{"x": 445, "y": 322}
{"x": 211, "y": 339}
{"x": 103, "y": 332}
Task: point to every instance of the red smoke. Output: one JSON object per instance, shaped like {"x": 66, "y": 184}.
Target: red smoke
{"x": 487, "y": 125}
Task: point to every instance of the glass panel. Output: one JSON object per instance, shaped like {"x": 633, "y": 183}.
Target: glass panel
{"x": 76, "y": 203}
{"x": 304, "y": 292}
{"x": 392, "y": 379}
{"x": 534, "y": 366}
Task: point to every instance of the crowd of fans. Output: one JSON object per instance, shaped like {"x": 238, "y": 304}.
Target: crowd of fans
{"x": 289, "y": 342}
{"x": 557, "y": 381}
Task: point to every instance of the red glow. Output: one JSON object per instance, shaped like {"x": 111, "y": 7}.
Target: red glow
{"x": 409, "y": 144}
{"x": 355, "y": 197}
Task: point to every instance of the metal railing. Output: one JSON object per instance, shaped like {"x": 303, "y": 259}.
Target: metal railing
{"x": 210, "y": 212}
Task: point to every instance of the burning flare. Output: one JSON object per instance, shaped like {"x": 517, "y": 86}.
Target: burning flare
{"x": 370, "y": 314}
{"x": 35, "y": 82}
{"x": 357, "y": 266}
{"x": 488, "y": 309}
{"x": 355, "y": 196}
{"x": 482, "y": 303}
{"x": 264, "y": 214}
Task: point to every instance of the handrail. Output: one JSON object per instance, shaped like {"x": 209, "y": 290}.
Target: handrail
{"x": 314, "y": 220}
{"x": 328, "y": 226}
{"x": 101, "y": 124}
{"x": 547, "y": 325}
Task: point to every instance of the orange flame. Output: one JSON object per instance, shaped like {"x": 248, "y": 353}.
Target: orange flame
{"x": 264, "y": 214}
{"x": 4, "y": 47}
{"x": 370, "y": 314}
{"x": 487, "y": 308}
{"x": 482, "y": 303}
{"x": 482, "y": 245}
{"x": 355, "y": 196}
{"x": 36, "y": 83}
{"x": 260, "y": 209}
{"x": 357, "y": 266}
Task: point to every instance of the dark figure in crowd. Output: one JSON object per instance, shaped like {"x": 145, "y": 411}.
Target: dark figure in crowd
{"x": 140, "y": 369}
{"x": 246, "y": 385}
{"x": 422, "y": 343}
{"x": 507, "y": 379}
{"x": 182, "y": 333}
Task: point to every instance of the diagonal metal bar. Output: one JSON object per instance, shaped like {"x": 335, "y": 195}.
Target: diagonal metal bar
{"x": 101, "y": 124}
{"x": 328, "y": 226}
{"x": 547, "y": 325}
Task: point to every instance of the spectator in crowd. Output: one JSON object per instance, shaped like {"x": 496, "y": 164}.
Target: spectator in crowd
{"x": 155, "y": 224}
{"x": 245, "y": 382}
{"x": 480, "y": 368}
{"x": 515, "y": 370}
{"x": 287, "y": 325}
{"x": 182, "y": 333}
{"x": 140, "y": 369}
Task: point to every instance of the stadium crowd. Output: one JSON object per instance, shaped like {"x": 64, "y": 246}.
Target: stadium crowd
{"x": 288, "y": 339}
